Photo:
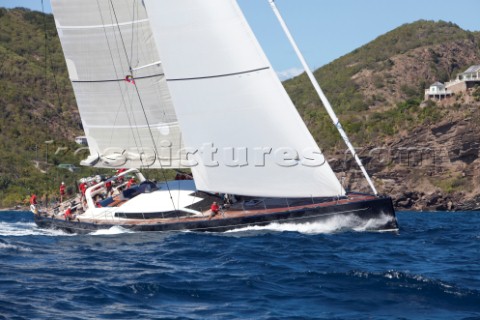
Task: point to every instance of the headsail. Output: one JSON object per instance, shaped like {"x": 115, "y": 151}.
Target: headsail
{"x": 118, "y": 80}
{"x": 322, "y": 96}
{"x": 243, "y": 131}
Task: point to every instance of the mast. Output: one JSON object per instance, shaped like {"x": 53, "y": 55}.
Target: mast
{"x": 322, "y": 96}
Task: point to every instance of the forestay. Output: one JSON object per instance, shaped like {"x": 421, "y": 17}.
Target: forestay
{"x": 118, "y": 80}
{"x": 243, "y": 131}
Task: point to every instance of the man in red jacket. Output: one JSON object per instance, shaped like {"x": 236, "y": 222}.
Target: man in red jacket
{"x": 68, "y": 214}
{"x": 33, "y": 199}
{"x": 131, "y": 182}
{"x": 214, "y": 208}
{"x": 109, "y": 187}
{"x": 62, "y": 191}
{"x": 83, "y": 188}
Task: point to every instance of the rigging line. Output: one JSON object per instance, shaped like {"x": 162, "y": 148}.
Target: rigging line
{"x": 135, "y": 47}
{"x": 136, "y": 35}
{"x": 121, "y": 35}
{"x": 219, "y": 75}
{"x": 136, "y": 87}
{"x": 123, "y": 102}
{"x": 55, "y": 82}
{"x": 117, "y": 80}
{"x": 45, "y": 37}
{"x": 145, "y": 114}
{"x": 48, "y": 54}
{"x": 113, "y": 18}
{"x": 133, "y": 36}
{"x": 146, "y": 53}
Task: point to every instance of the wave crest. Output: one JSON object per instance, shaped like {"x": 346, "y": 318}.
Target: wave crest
{"x": 111, "y": 231}
{"x": 331, "y": 225}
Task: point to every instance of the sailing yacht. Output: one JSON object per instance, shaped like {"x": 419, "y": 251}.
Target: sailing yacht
{"x": 164, "y": 84}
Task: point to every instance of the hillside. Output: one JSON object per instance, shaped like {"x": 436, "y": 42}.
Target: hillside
{"x": 372, "y": 80}
{"x": 36, "y": 105}
{"x": 424, "y": 154}
{"x": 377, "y": 91}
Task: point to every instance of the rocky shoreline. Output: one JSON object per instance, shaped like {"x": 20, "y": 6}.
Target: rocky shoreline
{"x": 430, "y": 168}
{"x": 435, "y": 202}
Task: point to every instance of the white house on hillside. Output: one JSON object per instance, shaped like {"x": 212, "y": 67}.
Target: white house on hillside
{"x": 465, "y": 80}
{"x": 437, "y": 91}
{"x": 471, "y": 74}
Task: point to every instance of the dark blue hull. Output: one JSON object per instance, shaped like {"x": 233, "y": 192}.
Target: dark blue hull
{"x": 379, "y": 209}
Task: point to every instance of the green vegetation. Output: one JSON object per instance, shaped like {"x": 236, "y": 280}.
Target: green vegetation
{"x": 404, "y": 39}
{"x": 36, "y": 105}
{"x": 476, "y": 93}
{"x": 455, "y": 183}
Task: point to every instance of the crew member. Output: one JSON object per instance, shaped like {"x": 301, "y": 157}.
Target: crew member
{"x": 33, "y": 199}
{"x": 68, "y": 214}
{"x": 214, "y": 208}
{"x": 62, "y": 191}
{"x": 108, "y": 186}
{"x": 120, "y": 179}
{"x": 130, "y": 182}
{"x": 83, "y": 188}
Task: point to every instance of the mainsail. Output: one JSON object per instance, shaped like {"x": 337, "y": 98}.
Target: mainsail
{"x": 118, "y": 80}
{"x": 243, "y": 132}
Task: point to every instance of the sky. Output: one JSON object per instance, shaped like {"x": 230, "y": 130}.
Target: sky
{"x": 326, "y": 29}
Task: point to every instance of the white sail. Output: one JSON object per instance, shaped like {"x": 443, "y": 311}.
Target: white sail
{"x": 118, "y": 80}
{"x": 228, "y": 99}
{"x": 322, "y": 96}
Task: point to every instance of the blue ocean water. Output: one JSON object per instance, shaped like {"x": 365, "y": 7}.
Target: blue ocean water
{"x": 430, "y": 269}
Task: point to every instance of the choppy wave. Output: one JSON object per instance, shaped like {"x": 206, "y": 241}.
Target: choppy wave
{"x": 20, "y": 224}
{"x": 111, "y": 231}
{"x": 418, "y": 282}
{"x": 331, "y": 225}
{"x": 22, "y": 229}
{"x": 429, "y": 270}
{"x": 14, "y": 247}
